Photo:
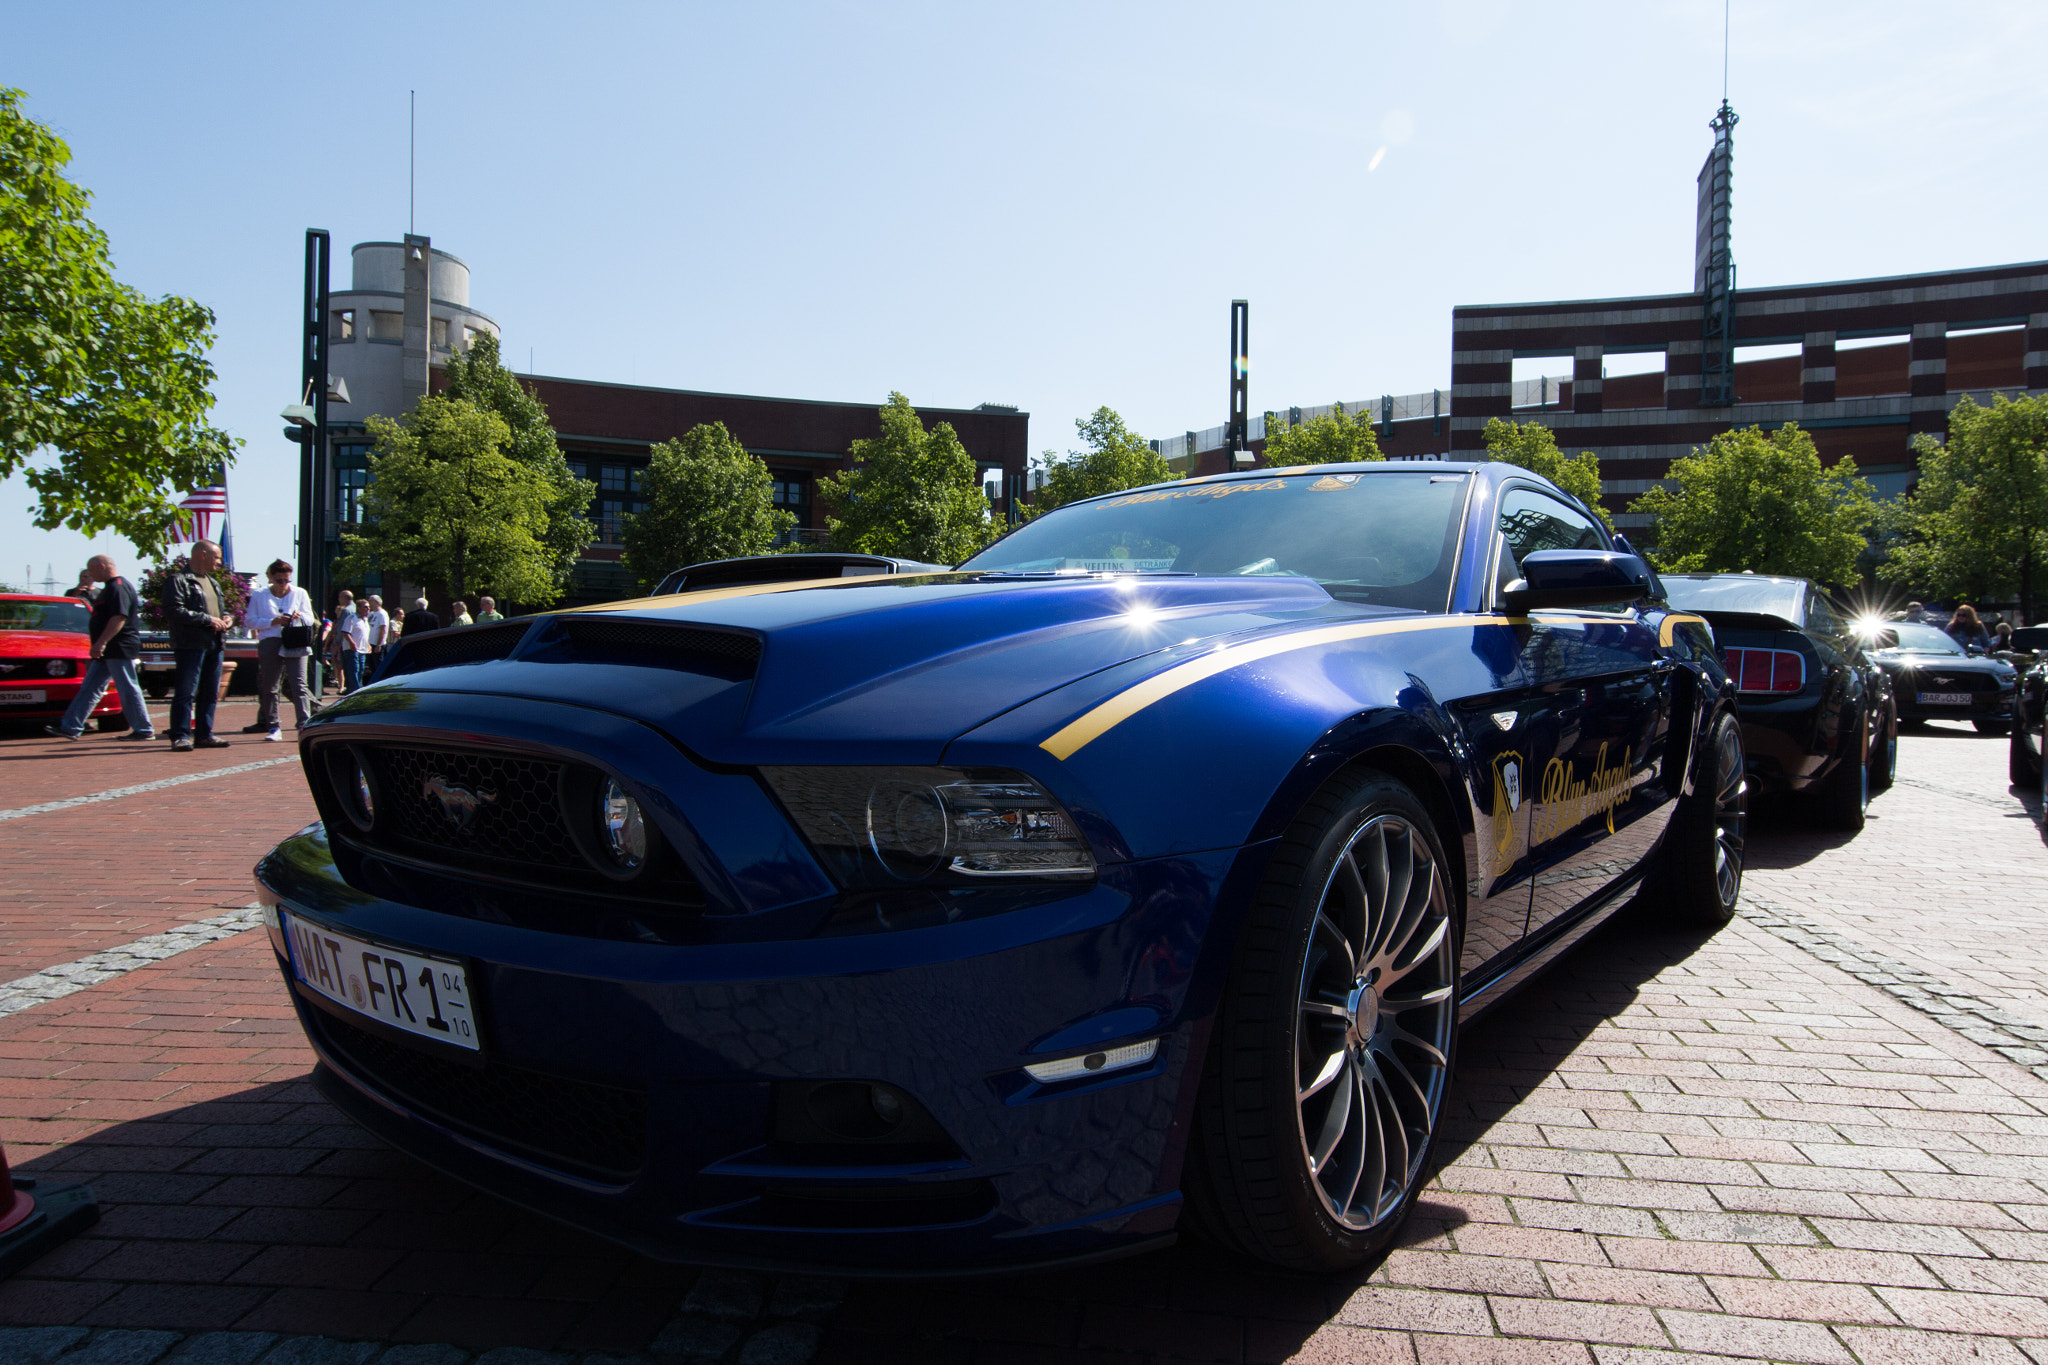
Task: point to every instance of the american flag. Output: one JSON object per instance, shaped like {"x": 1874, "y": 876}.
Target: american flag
{"x": 196, "y": 511}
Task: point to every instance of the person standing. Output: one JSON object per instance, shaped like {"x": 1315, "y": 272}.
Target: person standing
{"x": 272, "y": 612}
{"x": 351, "y": 641}
{"x": 379, "y": 624}
{"x": 459, "y": 614}
{"x": 487, "y": 611}
{"x": 116, "y": 644}
{"x": 419, "y": 620}
{"x": 1966, "y": 630}
{"x": 88, "y": 590}
{"x": 199, "y": 625}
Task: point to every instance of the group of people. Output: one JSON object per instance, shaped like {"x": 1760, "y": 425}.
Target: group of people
{"x": 1963, "y": 625}
{"x": 288, "y": 633}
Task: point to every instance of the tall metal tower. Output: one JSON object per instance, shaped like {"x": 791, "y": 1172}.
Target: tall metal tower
{"x": 1713, "y": 272}
{"x": 1238, "y": 439}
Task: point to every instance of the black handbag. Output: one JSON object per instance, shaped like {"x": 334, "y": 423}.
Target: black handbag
{"x": 295, "y": 636}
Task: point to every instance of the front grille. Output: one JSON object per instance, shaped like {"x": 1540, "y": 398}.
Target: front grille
{"x": 678, "y": 646}
{"x": 514, "y": 804}
{"x": 466, "y": 645}
{"x": 1953, "y": 682}
{"x": 581, "y": 1127}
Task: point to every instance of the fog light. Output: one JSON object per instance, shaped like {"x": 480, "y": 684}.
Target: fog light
{"x": 624, "y": 828}
{"x": 1094, "y": 1063}
{"x": 58, "y": 668}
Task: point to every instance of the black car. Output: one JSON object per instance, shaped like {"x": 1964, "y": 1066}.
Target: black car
{"x": 1818, "y": 718}
{"x": 2030, "y": 732}
{"x": 1934, "y": 679}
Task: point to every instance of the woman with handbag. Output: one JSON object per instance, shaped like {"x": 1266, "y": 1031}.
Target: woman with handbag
{"x": 283, "y": 618}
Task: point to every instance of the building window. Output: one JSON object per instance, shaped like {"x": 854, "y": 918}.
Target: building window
{"x": 611, "y": 520}
{"x": 792, "y": 493}
{"x": 612, "y": 478}
{"x": 343, "y": 325}
{"x": 349, "y": 487}
{"x": 386, "y": 326}
{"x": 439, "y": 328}
{"x": 468, "y": 337}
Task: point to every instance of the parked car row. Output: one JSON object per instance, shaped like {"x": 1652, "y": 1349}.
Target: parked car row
{"x": 44, "y": 649}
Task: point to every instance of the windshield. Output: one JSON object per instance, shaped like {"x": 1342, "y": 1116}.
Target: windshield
{"x": 69, "y": 618}
{"x": 1919, "y": 639}
{"x": 1385, "y": 538}
{"x": 1736, "y": 592}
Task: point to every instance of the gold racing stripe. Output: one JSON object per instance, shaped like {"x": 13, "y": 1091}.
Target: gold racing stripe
{"x": 1093, "y": 724}
{"x": 679, "y": 599}
{"x": 1671, "y": 624}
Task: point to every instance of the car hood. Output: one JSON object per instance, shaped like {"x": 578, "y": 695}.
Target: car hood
{"x": 43, "y": 644}
{"x": 1895, "y": 662}
{"x": 882, "y": 671}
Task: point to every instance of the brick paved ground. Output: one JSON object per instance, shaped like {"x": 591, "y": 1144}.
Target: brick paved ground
{"x": 1673, "y": 1149}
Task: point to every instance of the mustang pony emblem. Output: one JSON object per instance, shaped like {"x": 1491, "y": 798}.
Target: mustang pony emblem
{"x": 459, "y": 804}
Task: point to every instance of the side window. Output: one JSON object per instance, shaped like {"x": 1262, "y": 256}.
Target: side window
{"x": 1821, "y": 617}
{"x": 1532, "y": 521}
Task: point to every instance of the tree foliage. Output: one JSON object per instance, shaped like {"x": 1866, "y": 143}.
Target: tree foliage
{"x": 1336, "y": 437}
{"x": 1977, "y": 525}
{"x": 447, "y": 504}
{"x": 707, "y": 498}
{"x": 1114, "y": 458}
{"x": 480, "y": 377}
{"x": 1761, "y": 501}
{"x": 1533, "y": 447}
{"x": 116, "y": 385}
{"x": 911, "y": 493}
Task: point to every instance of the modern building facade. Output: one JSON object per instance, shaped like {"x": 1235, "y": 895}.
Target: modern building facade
{"x": 407, "y": 310}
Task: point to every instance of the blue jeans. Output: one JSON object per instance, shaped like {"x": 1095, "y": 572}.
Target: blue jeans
{"x": 100, "y": 672}
{"x": 198, "y": 673}
{"x": 351, "y": 670}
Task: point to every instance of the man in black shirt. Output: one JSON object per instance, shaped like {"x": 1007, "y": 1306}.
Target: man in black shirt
{"x": 116, "y": 633}
{"x": 419, "y": 619}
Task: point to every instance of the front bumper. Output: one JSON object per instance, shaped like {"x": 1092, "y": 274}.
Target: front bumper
{"x": 679, "y": 1053}
{"x": 58, "y": 694}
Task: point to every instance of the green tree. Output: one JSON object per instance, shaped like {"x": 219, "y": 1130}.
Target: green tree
{"x": 1761, "y": 501}
{"x": 481, "y": 378}
{"x": 1977, "y": 525}
{"x": 1533, "y": 446}
{"x": 116, "y": 385}
{"x": 911, "y": 493}
{"x": 1115, "y": 458}
{"x": 707, "y": 498}
{"x": 1336, "y": 437}
{"x": 446, "y": 504}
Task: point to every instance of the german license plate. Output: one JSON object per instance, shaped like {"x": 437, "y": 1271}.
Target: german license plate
{"x": 22, "y": 696}
{"x": 412, "y": 992}
{"x": 1944, "y": 698}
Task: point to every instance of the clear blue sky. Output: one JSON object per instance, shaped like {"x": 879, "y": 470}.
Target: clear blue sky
{"x": 1049, "y": 205}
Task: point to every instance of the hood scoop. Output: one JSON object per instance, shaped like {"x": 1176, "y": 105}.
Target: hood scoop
{"x": 730, "y": 654}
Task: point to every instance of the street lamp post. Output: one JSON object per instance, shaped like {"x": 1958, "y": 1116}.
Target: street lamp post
{"x": 309, "y": 427}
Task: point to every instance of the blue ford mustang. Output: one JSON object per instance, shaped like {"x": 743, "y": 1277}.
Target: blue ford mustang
{"x": 1136, "y": 875}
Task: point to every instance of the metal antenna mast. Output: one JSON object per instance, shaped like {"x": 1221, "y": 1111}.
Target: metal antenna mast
{"x": 412, "y": 161}
{"x": 1238, "y": 437}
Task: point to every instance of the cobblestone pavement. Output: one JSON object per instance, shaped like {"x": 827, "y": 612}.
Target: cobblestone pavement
{"x": 1676, "y": 1148}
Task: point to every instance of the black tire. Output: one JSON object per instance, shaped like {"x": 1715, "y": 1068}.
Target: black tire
{"x": 1992, "y": 727}
{"x": 1884, "y": 753}
{"x": 1699, "y": 877}
{"x": 1845, "y": 796}
{"x": 2023, "y": 758}
{"x": 111, "y": 725}
{"x": 1295, "y": 1048}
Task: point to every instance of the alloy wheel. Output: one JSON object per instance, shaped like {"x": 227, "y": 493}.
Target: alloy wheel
{"x": 1731, "y": 812}
{"x": 1378, "y": 1006}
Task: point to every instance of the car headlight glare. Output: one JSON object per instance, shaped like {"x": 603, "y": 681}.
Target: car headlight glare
{"x": 622, "y": 825}
{"x": 897, "y": 826}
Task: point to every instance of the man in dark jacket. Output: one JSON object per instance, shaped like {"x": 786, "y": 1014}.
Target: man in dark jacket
{"x": 199, "y": 624}
{"x": 419, "y": 620}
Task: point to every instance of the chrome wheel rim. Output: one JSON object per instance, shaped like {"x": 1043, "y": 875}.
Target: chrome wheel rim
{"x": 1731, "y": 812}
{"x": 1377, "y": 1010}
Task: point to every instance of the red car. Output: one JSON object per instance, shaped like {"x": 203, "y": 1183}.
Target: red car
{"x": 44, "y": 648}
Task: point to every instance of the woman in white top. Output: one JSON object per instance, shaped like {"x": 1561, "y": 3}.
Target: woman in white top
{"x": 270, "y": 611}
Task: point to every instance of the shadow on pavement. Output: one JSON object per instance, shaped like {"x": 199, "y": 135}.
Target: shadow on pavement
{"x": 1192, "y": 1302}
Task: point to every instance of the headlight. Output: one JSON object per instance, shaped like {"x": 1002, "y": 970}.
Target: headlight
{"x": 354, "y": 788}
{"x": 623, "y": 827}
{"x": 58, "y": 668}
{"x": 899, "y": 826}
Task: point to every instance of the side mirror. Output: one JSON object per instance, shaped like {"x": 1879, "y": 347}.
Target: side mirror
{"x": 1577, "y": 578}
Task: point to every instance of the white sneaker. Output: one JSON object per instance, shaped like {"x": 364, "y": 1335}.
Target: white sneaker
{"x": 274, "y": 736}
